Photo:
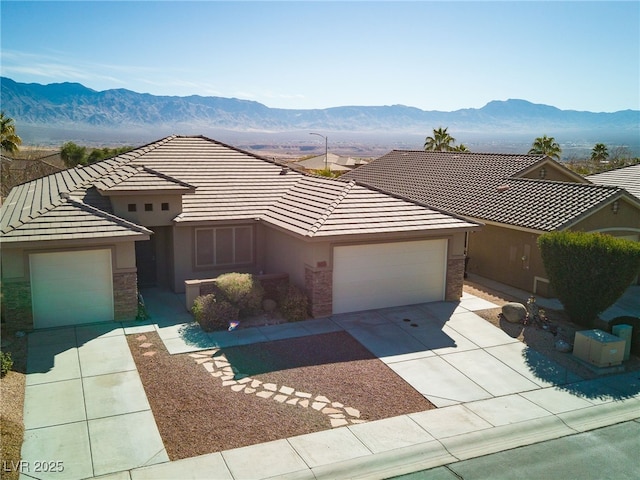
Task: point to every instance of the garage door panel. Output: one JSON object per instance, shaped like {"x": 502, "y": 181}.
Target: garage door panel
{"x": 70, "y": 288}
{"x": 388, "y": 274}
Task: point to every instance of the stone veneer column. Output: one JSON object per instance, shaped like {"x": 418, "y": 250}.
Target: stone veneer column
{"x": 319, "y": 285}
{"x": 455, "y": 279}
{"x": 16, "y": 305}
{"x": 125, "y": 296}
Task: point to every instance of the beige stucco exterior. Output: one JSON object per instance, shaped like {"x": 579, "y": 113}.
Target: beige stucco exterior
{"x": 16, "y": 280}
{"x": 511, "y": 255}
{"x": 156, "y": 217}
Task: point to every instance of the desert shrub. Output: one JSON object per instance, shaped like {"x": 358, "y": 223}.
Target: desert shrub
{"x": 242, "y": 290}
{"x": 635, "y": 332}
{"x": 6, "y": 363}
{"x": 588, "y": 271}
{"x": 213, "y": 313}
{"x": 293, "y": 303}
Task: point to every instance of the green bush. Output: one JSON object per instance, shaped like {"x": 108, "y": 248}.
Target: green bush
{"x": 242, "y": 290}
{"x": 213, "y": 314}
{"x": 588, "y": 271}
{"x": 293, "y": 303}
{"x": 6, "y": 363}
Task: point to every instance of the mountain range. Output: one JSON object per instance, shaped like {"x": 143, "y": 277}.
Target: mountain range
{"x": 74, "y": 106}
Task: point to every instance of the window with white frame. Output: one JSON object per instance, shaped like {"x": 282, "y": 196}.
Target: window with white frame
{"x": 224, "y": 246}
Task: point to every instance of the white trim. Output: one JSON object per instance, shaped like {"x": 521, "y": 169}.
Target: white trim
{"x": 537, "y": 279}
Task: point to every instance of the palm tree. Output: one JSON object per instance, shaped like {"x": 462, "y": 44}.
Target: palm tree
{"x": 9, "y": 139}
{"x": 546, "y": 146}
{"x": 440, "y": 142}
{"x": 459, "y": 148}
{"x": 599, "y": 153}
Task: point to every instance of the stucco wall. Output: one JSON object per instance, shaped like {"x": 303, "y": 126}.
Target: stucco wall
{"x": 284, "y": 253}
{"x": 16, "y": 282}
{"x": 508, "y": 256}
{"x": 625, "y": 222}
{"x": 183, "y": 251}
{"x": 157, "y": 217}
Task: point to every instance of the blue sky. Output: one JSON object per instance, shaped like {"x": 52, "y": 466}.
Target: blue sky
{"x": 430, "y": 55}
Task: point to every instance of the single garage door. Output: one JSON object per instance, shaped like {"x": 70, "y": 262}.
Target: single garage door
{"x": 388, "y": 274}
{"x": 71, "y": 288}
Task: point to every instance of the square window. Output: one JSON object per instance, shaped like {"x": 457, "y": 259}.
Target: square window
{"x": 131, "y": 207}
{"x": 165, "y": 206}
{"x": 148, "y": 207}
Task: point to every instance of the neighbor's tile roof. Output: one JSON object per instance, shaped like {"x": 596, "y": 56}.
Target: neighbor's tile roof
{"x": 484, "y": 186}
{"x": 222, "y": 184}
{"x": 625, "y": 177}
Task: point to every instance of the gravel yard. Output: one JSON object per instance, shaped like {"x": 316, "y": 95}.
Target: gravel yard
{"x": 282, "y": 389}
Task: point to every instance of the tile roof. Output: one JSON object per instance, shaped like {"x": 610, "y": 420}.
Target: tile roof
{"x": 139, "y": 179}
{"x": 485, "y": 187}
{"x": 625, "y": 177}
{"x": 221, "y": 183}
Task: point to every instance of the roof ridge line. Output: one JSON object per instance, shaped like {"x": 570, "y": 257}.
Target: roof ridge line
{"x": 167, "y": 177}
{"x": 332, "y": 206}
{"x": 543, "y": 180}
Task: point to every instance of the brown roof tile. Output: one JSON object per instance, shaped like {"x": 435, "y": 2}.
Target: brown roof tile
{"x": 222, "y": 184}
{"x": 483, "y": 186}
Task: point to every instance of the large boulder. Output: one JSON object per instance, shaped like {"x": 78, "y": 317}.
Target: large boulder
{"x": 514, "y": 312}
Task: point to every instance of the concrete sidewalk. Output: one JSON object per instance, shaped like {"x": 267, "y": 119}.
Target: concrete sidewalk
{"x": 493, "y": 394}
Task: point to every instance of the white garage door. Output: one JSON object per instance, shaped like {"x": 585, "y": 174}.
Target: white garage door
{"x": 71, "y": 288}
{"x": 388, "y": 274}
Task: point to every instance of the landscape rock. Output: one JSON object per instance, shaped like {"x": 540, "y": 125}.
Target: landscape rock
{"x": 514, "y": 312}
{"x": 562, "y": 346}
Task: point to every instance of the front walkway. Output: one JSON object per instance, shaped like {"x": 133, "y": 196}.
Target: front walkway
{"x": 493, "y": 392}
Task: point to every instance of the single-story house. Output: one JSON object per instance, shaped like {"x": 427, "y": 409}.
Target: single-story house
{"x": 624, "y": 177}
{"x": 76, "y": 244}
{"x": 333, "y": 162}
{"x": 517, "y": 197}
{"x": 14, "y": 171}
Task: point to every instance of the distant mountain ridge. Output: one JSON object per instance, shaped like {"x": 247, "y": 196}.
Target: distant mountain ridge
{"x": 74, "y": 105}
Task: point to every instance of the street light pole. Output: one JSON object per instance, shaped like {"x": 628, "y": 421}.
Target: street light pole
{"x": 326, "y": 142}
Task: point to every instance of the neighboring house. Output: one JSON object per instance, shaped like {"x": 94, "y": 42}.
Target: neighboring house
{"x": 518, "y": 197}
{"x": 76, "y": 244}
{"x": 334, "y": 162}
{"x": 625, "y": 177}
{"x": 15, "y": 171}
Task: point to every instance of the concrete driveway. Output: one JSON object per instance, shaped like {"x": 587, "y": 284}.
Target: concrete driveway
{"x": 85, "y": 405}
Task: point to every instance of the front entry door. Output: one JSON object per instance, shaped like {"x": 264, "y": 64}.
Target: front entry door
{"x": 146, "y": 262}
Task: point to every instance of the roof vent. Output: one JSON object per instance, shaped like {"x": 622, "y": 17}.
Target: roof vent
{"x": 503, "y": 188}
{"x": 284, "y": 170}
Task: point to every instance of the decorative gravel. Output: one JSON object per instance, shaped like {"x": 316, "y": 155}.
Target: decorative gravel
{"x": 216, "y": 400}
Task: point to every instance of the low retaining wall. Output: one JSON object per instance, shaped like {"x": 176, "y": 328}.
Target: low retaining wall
{"x": 195, "y": 288}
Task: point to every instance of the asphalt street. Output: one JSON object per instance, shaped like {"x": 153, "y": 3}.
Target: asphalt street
{"x": 606, "y": 453}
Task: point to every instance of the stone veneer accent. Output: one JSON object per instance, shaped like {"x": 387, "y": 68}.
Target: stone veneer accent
{"x": 318, "y": 282}
{"x": 455, "y": 279}
{"x": 125, "y": 296}
{"x": 16, "y": 305}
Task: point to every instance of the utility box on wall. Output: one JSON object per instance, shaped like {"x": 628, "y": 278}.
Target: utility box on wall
{"x": 598, "y": 348}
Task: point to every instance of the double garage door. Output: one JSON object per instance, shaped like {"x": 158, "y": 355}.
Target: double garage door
{"x": 71, "y": 288}
{"x": 388, "y": 274}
